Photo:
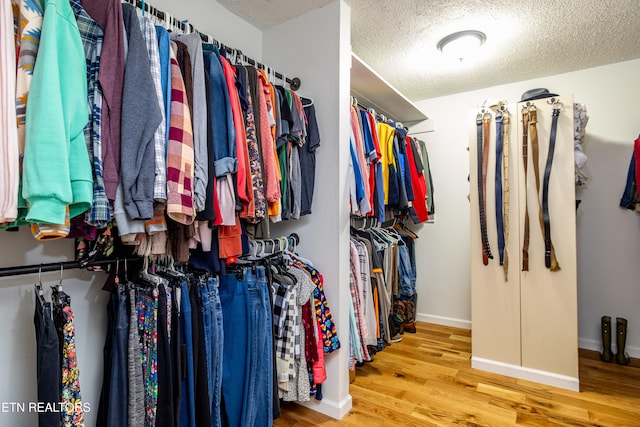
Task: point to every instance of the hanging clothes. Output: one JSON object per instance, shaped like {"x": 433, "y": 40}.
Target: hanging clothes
{"x": 70, "y": 396}
{"x": 57, "y": 172}
{"x": 387, "y": 175}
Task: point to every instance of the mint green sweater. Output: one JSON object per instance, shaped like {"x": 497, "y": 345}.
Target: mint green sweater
{"x": 56, "y": 168}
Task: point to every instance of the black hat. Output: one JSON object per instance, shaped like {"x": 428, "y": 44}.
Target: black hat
{"x": 538, "y": 93}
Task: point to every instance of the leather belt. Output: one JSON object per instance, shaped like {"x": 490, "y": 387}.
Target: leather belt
{"x": 482, "y": 159}
{"x": 525, "y": 159}
{"x": 486, "y": 122}
{"x": 505, "y": 185}
{"x": 549, "y": 252}
{"x": 533, "y": 134}
{"x": 498, "y": 186}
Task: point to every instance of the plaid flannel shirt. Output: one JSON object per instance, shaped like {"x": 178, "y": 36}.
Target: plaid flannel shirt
{"x": 160, "y": 135}
{"x": 92, "y": 36}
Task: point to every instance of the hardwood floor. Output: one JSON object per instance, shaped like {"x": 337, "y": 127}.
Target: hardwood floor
{"x": 427, "y": 380}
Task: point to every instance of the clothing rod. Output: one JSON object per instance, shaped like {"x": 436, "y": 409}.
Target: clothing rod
{"x": 183, "y": 25}
{"x": 56, "y": 266}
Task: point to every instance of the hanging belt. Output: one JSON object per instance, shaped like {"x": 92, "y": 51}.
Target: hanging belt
{"x": 549, "y": 252}
{"x": 505, "y": 186}
{"x": 498, "y": 186}
{"x": 533, "y": 134}
{"x": 486, "y": 122}
{"x": 525, "y": 159}
{"x": 481, "y": 175}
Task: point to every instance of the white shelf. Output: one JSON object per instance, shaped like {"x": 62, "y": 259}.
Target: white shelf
{"x": 374, "y": 91}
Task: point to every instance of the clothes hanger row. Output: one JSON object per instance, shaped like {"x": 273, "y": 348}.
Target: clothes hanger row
{"x": 175, "y": 25}
{"x": 39, "y": 286}
{"x": 260, "y": 248}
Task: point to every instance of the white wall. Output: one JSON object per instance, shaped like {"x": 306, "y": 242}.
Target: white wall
{"x": 18, "y": 350}
{"x": 316, "y": 48}
{"x": 608, "y": 237}
{"x": 210, "y": 17}
{"x": 88, "y": 301}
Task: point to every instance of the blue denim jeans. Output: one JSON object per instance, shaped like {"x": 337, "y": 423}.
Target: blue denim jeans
{"x": 188, "y": 406}
{"x": 259, "y": 412}
{"x": 407, "y": 286}
{"x": 213, "y": 337}
{"x": 203, "y": 294}
{"x": 217, "y": 342}
{"x": 233, "y": 300}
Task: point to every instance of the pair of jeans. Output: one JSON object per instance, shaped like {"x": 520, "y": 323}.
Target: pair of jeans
{"x": 117, "y": 412}
{"x": 405, "y": 271}
{"x": 48, "y": 362}
{"x": 213, "y": 333}
{"x": 233, "y": 300}
{"x": 259, "y": 412}
{"x": 187, "y": 384}
{"x": 216, "y": 351}
{"x": 103, "y": 406}
{"x": 165, "y": 409}
{"x": 202, "y": 402}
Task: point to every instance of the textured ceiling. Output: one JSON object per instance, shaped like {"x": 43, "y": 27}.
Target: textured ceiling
{"x": 525, "y": 40}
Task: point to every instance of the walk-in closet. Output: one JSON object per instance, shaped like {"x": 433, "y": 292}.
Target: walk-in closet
{"x": 256, "y": 213}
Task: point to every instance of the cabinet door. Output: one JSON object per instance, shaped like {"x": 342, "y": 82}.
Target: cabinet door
{"x": 495, "y": 302}
{"x": 549, "y": 312}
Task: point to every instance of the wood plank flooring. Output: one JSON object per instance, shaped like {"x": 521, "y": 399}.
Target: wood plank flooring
{"x": 427, "y": 380}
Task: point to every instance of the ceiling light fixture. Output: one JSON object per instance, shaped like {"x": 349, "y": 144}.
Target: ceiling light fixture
{"x": 462, "y": 43}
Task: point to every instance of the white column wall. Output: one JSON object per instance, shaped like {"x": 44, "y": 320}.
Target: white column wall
{"x": 608, "y": 237}
{"x": 316, "y": 48}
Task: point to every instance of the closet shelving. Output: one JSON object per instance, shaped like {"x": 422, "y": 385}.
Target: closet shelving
{"x": 372, "y": 90}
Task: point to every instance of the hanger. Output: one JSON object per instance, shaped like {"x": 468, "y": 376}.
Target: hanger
{"x": 400, "y": 226}
{"x": 146, "y": 276}
{"x": 38, "y": 287}
{"x": 59, "y": 285}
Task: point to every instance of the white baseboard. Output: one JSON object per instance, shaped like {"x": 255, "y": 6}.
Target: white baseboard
{"x": 542, "y": 377}
{"x": 444, "y": 321}
{"x": 330, "y": 408}
{"x": 596, "y": 345}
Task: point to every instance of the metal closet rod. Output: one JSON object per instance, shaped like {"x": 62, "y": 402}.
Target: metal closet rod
{"x": 56, "y": 266}
{"x": 163, "y": 16}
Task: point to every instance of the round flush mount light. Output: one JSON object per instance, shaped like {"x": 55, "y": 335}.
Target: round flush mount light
{"x": 462, "y": 43}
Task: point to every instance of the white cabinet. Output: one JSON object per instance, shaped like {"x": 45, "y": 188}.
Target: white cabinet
{"x": 527, "y": 326}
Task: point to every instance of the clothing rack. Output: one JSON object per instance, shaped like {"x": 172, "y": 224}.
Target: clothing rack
{"x": 57, "y": 266}
{"x": 187, "y": 27}
{"x": 379, "y": 116}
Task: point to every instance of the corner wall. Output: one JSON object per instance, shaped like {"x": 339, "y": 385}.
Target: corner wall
{"x": 316, "y": 48}
{"x": 608, "y": 236}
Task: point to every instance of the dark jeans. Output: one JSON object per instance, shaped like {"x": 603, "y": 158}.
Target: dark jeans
{"x": 117, "y": 412}
{"x": 48, "y": 364}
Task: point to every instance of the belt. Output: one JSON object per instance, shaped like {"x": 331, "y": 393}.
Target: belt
{"x": 505, "y": 185}
{"x": 498, "y": 186}
{"x": 549, "y": 252}
{"x": 525, "y": 159}
{"x": 481, "y": 177}
{"x": 533, "y": 133}
{"x": 486, "y": 121}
